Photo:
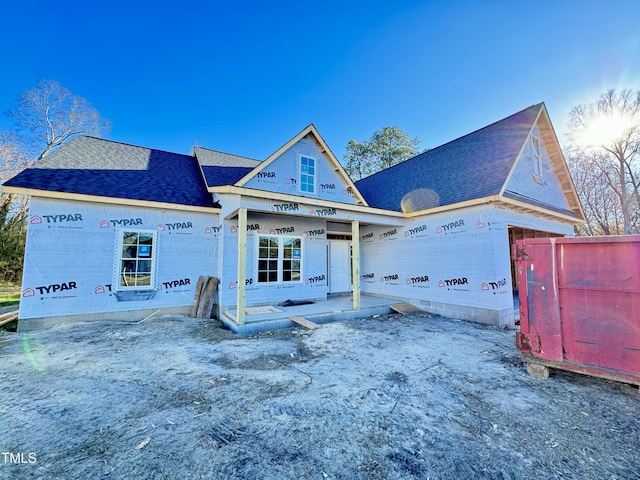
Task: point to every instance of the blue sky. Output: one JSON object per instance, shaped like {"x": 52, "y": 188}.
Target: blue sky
{"x": 244, "y": 77}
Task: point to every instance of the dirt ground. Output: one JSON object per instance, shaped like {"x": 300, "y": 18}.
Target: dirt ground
{"x": 393, "y": 397}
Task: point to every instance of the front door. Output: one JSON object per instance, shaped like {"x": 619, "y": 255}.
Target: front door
{"x": 339, "y": 266}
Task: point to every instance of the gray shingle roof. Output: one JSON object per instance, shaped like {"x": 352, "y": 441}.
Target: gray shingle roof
{"x": 223, "y": 168}
{"x": 471, "y": 167}
{"x": 93, "y": 166}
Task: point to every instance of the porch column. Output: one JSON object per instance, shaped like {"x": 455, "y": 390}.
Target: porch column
{"x": 241, "y": 299}
{"x": 355, "y": 262}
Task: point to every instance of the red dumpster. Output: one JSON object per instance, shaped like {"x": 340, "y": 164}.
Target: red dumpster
{"x": 580, "y": 305}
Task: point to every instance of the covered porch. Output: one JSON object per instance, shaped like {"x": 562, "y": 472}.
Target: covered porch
{"x": 334, "y": 308}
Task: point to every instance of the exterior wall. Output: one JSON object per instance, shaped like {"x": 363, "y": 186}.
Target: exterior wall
{"x": 314, "y": 263}
{"x": 282, "y": 175}
{"x": 548, "y": 189}
{"x": 70, "y": 259}
{"x": 454, "y": 263}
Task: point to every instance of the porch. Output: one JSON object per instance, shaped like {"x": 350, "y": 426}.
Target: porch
{"x": 335, "y": 308}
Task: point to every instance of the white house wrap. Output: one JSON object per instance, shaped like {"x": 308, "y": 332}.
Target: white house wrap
{"x": 119, "y": 231}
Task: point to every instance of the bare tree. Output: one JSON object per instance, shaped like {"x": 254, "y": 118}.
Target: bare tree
{"x": 45, "y": 117}
{"x": 600, "y": 203}
{"x": 49, "y": 115}
{"x": 607, "y": 132}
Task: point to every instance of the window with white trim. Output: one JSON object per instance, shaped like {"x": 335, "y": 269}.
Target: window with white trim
{"x": 536, "y": 157}
{"x": 307, "y": 180}
{"x": 279, "y": 259}
{"x": 136, "y": 263}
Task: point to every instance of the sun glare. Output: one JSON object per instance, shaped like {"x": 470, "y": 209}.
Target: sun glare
{"x": 605, "y": 130}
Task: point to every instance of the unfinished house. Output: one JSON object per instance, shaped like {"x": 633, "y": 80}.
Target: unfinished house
{"x": 120, "y": 231}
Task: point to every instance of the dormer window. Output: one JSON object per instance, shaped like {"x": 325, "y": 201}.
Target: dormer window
{"x": 536, "y": 158}
{"x": 307, "y": 174}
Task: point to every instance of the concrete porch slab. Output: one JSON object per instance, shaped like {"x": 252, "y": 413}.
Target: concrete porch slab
{"x": 331, "y": 310}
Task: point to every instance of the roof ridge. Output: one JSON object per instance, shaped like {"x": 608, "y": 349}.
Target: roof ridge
{"x": 132, "y": 145}
{"x": 456, "y": 139}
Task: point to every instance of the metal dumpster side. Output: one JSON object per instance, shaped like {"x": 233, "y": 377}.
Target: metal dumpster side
{"x": 580, "y": 305}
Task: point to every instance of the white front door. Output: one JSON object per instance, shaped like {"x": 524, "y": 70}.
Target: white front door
{"x": 339, "y": 266}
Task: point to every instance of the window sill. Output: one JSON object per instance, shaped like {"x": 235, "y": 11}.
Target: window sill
{"x": 135, "y": 295}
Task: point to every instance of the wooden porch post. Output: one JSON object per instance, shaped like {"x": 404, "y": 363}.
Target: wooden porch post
{"x": 355, "y": 262}
{"x": 242, "y": 265}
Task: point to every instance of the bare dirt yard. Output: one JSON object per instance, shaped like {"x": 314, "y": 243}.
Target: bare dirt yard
{"x": 393, "y": 397}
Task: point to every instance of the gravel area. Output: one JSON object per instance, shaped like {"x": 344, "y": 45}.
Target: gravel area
{"x": 393, "y": 397}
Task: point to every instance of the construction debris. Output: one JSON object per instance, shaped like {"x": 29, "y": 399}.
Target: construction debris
{"x": 8, "y": 317}
{"x": 204, "y": 299}
{"x": 305, "y": 323}
{"x": 405, "y": 308}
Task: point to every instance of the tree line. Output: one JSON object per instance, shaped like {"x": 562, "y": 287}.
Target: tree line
{"x": 602, "y": 152}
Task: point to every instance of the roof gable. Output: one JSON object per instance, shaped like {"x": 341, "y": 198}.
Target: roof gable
{"x": 279, "y": 172}
{"x": 473, "y": 167}
{"x": 103, "y": 168}
{"x": 554, "y": 188}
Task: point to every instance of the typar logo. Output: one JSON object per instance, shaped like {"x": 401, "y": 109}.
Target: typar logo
{"x": 313, "y": 233}
{"x": 105, "y": 224}
{"x": 391, "y": 234}
{"x": 323, "y": 212}
{"x": 480, "y": 225}
{"x": 422, "y": 229}
{"x": 35, "y": 220}
{"x": 212, "y": 230}
{"x": 279, "y": 231}
{"x": 291, "y": 181}
{"x": 250, "y": 227}
{"x": 453, "y": 282}
{"x": 366, "y": 237}
{"x": 175, "y": 226}
{"x": 285, "y": 207}
{"x": 174, "y": 283}
{"x": 420, "y": 279}
{"x": 389, "y": 278}
{"x": 367, "y": 276}
{"x": 266, "y": 175}
{"x": 53, "y": 288}
{"x": 490, "y": 286}
{"x": 100, "y": 289}
{"x": 447, "y": 227}
{"x": 316, "y": 279}
{"x": 125, "y": 222}
{"x": 327, "y": 186}
{"x": 234, "y": 285}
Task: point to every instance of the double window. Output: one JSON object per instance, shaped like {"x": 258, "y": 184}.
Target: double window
{"x": 136, "y": 266}
{"x": 307, "y": 174}
{"x": 279, "y": 259}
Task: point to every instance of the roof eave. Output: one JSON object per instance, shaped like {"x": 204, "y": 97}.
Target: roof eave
{"x": 284, "y": 197}
{"x": 110, "y": 200}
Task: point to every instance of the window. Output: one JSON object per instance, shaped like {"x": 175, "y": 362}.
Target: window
{"x": 279, "y": 259}
{"x": 136, "y": 260}
{"x": 307, "y": 174}
{"x": 536, "y": 158}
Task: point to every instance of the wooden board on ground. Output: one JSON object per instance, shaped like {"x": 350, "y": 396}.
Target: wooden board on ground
{"x": 405, "y": 308}
{"x": 210, "y": 285}
{"x": 8, "y": 317}
{"x": 196, "y": 302}
{"x": 305, "y": 323}
{"x": 204, "y": 297}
